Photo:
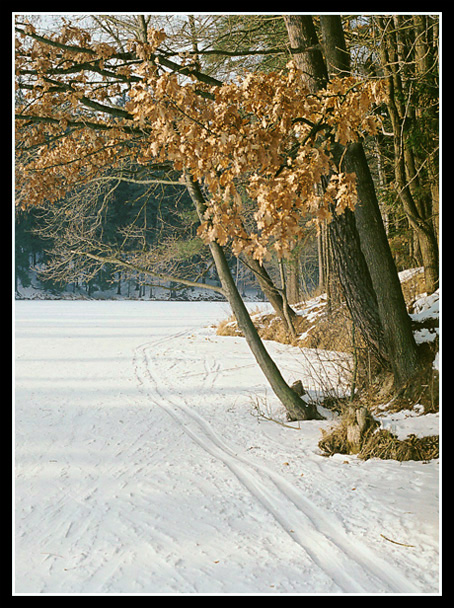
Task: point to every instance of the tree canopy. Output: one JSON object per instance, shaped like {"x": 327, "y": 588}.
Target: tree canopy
{"x": 85, "y": 105}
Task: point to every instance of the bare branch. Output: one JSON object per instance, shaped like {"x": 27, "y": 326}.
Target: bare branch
{"x": 159, "y": 275}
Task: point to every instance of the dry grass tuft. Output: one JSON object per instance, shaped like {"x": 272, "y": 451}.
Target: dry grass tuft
{"x": 268, "y": 325}
{"x": 379, "y": 443}
{"x": 387, "y": 446}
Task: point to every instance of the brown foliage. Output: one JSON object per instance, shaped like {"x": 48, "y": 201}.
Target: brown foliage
{"x": 259, "y": 135}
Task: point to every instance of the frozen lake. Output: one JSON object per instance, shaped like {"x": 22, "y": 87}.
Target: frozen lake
{"x": 141, "y": 468}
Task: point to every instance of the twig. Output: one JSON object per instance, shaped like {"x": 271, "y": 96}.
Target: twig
{"x": 287, "y": 426}
{"x": 395, "y": 541}
{"x": 51, "y": 554}
{"x": 260, "y": 415}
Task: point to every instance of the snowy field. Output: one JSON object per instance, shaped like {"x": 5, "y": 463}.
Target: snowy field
{"x": 141, "y": 467}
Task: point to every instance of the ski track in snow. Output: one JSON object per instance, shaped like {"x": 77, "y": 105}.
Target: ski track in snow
{"x": 353, "y": 567}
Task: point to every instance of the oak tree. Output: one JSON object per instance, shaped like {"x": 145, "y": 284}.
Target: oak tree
{"x": 266, "y": 134}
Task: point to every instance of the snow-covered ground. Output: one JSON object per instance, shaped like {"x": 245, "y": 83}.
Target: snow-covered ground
{"x": 142, "y": 467}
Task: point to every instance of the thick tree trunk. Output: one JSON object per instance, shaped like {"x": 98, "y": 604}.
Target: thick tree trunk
{"x": 297, "y": 409}
{"x": 337, "y": 56}
{"x": 353, "y": 273}
{"x": 399, "y": 344}
{"x": 302, "y": 35}
{"x": 343, "y": 239}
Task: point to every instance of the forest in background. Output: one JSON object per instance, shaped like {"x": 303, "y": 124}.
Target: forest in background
{"x": 161, "y": 216}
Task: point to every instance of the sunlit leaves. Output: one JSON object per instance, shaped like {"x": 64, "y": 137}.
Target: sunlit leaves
{"x": 264, "y": 136}
{"x": 263, "y": 133}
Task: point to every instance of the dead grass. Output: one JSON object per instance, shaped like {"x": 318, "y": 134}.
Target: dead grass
{"x": 381, "y": 444}
{"x": 380, "y": 396}
{"x": 422, "y": 389}
{"x": 316, "y": 328}
{"x": 228, "y": 327}
{"x": 387, "y": 446}
{"x": 330, "y": 330}
{"x": 268, "y": 325}
{"x": 378, "y": 443}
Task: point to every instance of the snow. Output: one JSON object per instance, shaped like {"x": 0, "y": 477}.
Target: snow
{"x": 407, "y": 422}
{"x": 410, "y": 273}
{"x": 427, "y": 307}
{"x": 141, "y": 466}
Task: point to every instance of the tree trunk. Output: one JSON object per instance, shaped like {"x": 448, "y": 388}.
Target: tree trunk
{"x": 343, "y": 238}
{"x": 400, "y": 344}
{"x": 321, "y": 254}
{"x": 272, "y": 293}
{"x": 302, "y": 35}
{"x": 297, "y": 409}
{"x": 399, "y": 339}
{"x": 337, "y": 56}
{"x": 292, "y": 267}
{"x": 353, "y": 272}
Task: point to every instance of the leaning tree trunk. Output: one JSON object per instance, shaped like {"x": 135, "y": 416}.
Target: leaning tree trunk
{"x": 274, "y": 296}
{"x": 297, "y": 409}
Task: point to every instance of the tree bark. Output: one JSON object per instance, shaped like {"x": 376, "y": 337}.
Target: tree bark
{"x": 297, "y": 408}
{"x": 400, "y": 346}
{"x": 302, "y": 34}
{"x": 400, "y": 343}
{"x": 349, "y": 261}
{"x": 272, "y": 293}
{"x": 353, "y": 273}
{"x": 292, "y": 267}
{"x": 336, "y": 54}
